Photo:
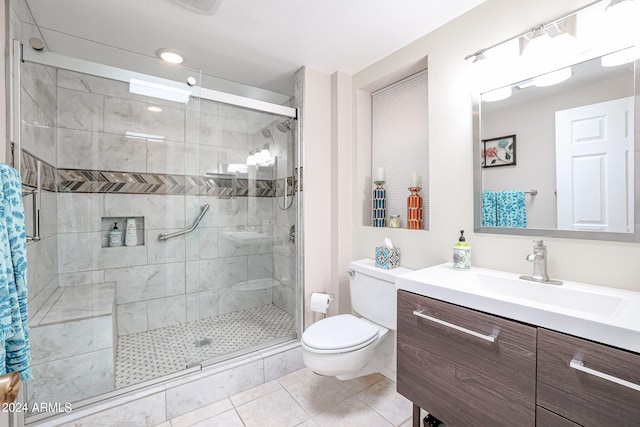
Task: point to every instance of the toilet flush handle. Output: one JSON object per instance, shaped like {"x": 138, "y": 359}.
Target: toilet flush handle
{"x": 351, "y": 273}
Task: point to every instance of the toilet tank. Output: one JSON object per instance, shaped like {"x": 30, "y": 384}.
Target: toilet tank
{"x": 373, "y": 292}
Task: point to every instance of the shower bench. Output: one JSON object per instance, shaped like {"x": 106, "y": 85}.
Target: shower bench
{"x": 73, "y": 341}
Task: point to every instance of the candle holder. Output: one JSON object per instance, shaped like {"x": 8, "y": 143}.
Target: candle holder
{"x": 379, "y": 205}
{"x": 414, "y": 209}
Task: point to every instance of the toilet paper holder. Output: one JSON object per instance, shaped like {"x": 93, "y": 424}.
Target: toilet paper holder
{"x": 330, "y": 297}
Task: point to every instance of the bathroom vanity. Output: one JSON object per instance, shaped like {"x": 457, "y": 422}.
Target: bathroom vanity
{"x": 485, "y": 348}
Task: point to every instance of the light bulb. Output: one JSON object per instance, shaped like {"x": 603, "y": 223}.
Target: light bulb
{"x": 539, "y": 46}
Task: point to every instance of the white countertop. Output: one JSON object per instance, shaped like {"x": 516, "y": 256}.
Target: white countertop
{"x": 606, "y": 315}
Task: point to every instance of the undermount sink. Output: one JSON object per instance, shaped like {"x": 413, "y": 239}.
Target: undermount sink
{"x": 569, "y": 298}
{"x": 606, "y": 315}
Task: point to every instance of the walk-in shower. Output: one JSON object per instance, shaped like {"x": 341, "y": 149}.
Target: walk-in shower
{"x": 214, "y": 271}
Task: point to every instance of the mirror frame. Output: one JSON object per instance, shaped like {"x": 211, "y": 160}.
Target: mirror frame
{"x": 571, "y": 234}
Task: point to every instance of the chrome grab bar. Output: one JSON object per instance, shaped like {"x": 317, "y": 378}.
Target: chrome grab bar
{"x": 203, "y": 209}
{"x": 577, "y": 364}
{"x": 490, "y": 338}
{"x": 36, "y": 214}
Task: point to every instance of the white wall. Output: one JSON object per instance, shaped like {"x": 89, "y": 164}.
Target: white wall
{"x": 318, "y": 197}
{"x": 606, "y": 263}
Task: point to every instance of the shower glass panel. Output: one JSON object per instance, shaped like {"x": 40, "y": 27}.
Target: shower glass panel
{"x": 107, "y": 319}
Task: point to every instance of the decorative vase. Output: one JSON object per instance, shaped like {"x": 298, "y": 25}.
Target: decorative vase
{"x": 414, "y": 209}
{"x": 131, "y": 235}
{"x": 379, "y": 205}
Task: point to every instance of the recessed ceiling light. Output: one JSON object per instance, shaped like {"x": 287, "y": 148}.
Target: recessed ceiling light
{"x": 154, "y": 109}
{"x": 170, "y": 55}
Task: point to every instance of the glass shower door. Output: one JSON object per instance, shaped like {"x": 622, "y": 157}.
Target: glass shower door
{"x": 108, "y": 318}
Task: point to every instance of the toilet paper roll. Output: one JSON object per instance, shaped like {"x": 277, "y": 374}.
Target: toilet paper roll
{"x": 320, "y": 302}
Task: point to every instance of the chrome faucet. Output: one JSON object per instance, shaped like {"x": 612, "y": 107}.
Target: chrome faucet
{"x": 539, "y": 260}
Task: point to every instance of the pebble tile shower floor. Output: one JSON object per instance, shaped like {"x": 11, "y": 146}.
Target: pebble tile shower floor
{"x": 151, "y": 354}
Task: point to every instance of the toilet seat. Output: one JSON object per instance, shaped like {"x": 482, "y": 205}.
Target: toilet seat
{"x": 339, "y": 334}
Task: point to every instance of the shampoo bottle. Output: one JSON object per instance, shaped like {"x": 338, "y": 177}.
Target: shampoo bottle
{"x": 131, "y": 236}
{"x": 461, "y": 254}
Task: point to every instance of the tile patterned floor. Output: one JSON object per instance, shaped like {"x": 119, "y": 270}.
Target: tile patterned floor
{"x": 305, "y": 399}
{"x": 152, "y": 354}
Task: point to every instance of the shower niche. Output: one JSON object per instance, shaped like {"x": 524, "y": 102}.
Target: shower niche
{"x": 108, "y": 224}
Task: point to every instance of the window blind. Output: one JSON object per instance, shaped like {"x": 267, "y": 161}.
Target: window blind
{"x": 400, "y": 142}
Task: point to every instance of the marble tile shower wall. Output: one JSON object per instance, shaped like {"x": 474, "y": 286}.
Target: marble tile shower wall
{"x": 38, "y": 115}
{"x": 162, "y": 283}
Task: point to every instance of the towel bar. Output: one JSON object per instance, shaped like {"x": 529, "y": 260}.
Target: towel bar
{"x": 36, "y": 214}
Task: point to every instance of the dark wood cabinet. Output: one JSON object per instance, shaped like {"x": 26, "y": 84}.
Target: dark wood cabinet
{"x": 465, "y": 367}
{"x": 545, "y": 418}
{"x": 469, "y": 368}
{"x": 577, "y": 390}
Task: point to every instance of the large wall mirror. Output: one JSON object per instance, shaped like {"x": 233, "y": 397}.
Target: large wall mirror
{"x": 557, "y": 157}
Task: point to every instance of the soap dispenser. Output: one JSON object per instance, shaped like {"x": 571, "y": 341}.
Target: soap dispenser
{"x": 462, "y": 254}
{"x": 115, "y": 236}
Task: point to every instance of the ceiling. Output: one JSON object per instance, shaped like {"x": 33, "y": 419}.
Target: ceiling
{"x": 255, "y": 42}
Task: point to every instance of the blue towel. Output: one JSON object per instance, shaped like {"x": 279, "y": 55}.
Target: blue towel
{"x": 512, "y": 211}
{"x": 14, "y": 332}
{"x": 489, "y": 209}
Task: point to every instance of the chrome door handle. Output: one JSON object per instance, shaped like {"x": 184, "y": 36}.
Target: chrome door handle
{"x": 578, "y": 365}
{"x": 490, "y": 338}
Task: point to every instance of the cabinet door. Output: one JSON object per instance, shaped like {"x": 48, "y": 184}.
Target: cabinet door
{"x": 586, "y": 397}
{"x": 460, "y": 376}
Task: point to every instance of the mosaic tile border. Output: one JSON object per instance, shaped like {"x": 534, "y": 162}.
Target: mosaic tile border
{"x": 94, "y": 181}
{"x": 29, "y": 172}
{"x": 98, "y": 181}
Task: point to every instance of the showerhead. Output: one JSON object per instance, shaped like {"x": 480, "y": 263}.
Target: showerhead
{"x": 284, "y": 126}
{"x": 266, "y": 133}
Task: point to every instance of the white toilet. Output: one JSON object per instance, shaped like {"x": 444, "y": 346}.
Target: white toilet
{"x": 347, "y": 346}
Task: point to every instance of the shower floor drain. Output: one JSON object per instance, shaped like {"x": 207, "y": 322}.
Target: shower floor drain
{"x": 202, "y": 342}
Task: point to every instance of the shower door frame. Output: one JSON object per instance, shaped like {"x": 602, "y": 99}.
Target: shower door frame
{"x": 105, "y": 71}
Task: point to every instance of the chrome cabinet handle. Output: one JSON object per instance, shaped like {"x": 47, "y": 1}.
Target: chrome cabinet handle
{"x": 578, "y": 365}
{"x": 490, "y": 338}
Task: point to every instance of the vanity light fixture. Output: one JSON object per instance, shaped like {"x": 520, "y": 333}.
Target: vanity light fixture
{"x": 170, "y": 55}
{"x": 538, "y": 40}
{"x": 544, "y": 40}
{"x": 477, "y": 56}
{"x": 536, "y": 44}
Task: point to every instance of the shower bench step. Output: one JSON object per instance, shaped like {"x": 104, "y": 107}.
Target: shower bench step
{"x": 73, "y": 303}
{"x": 73, "y": 341}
